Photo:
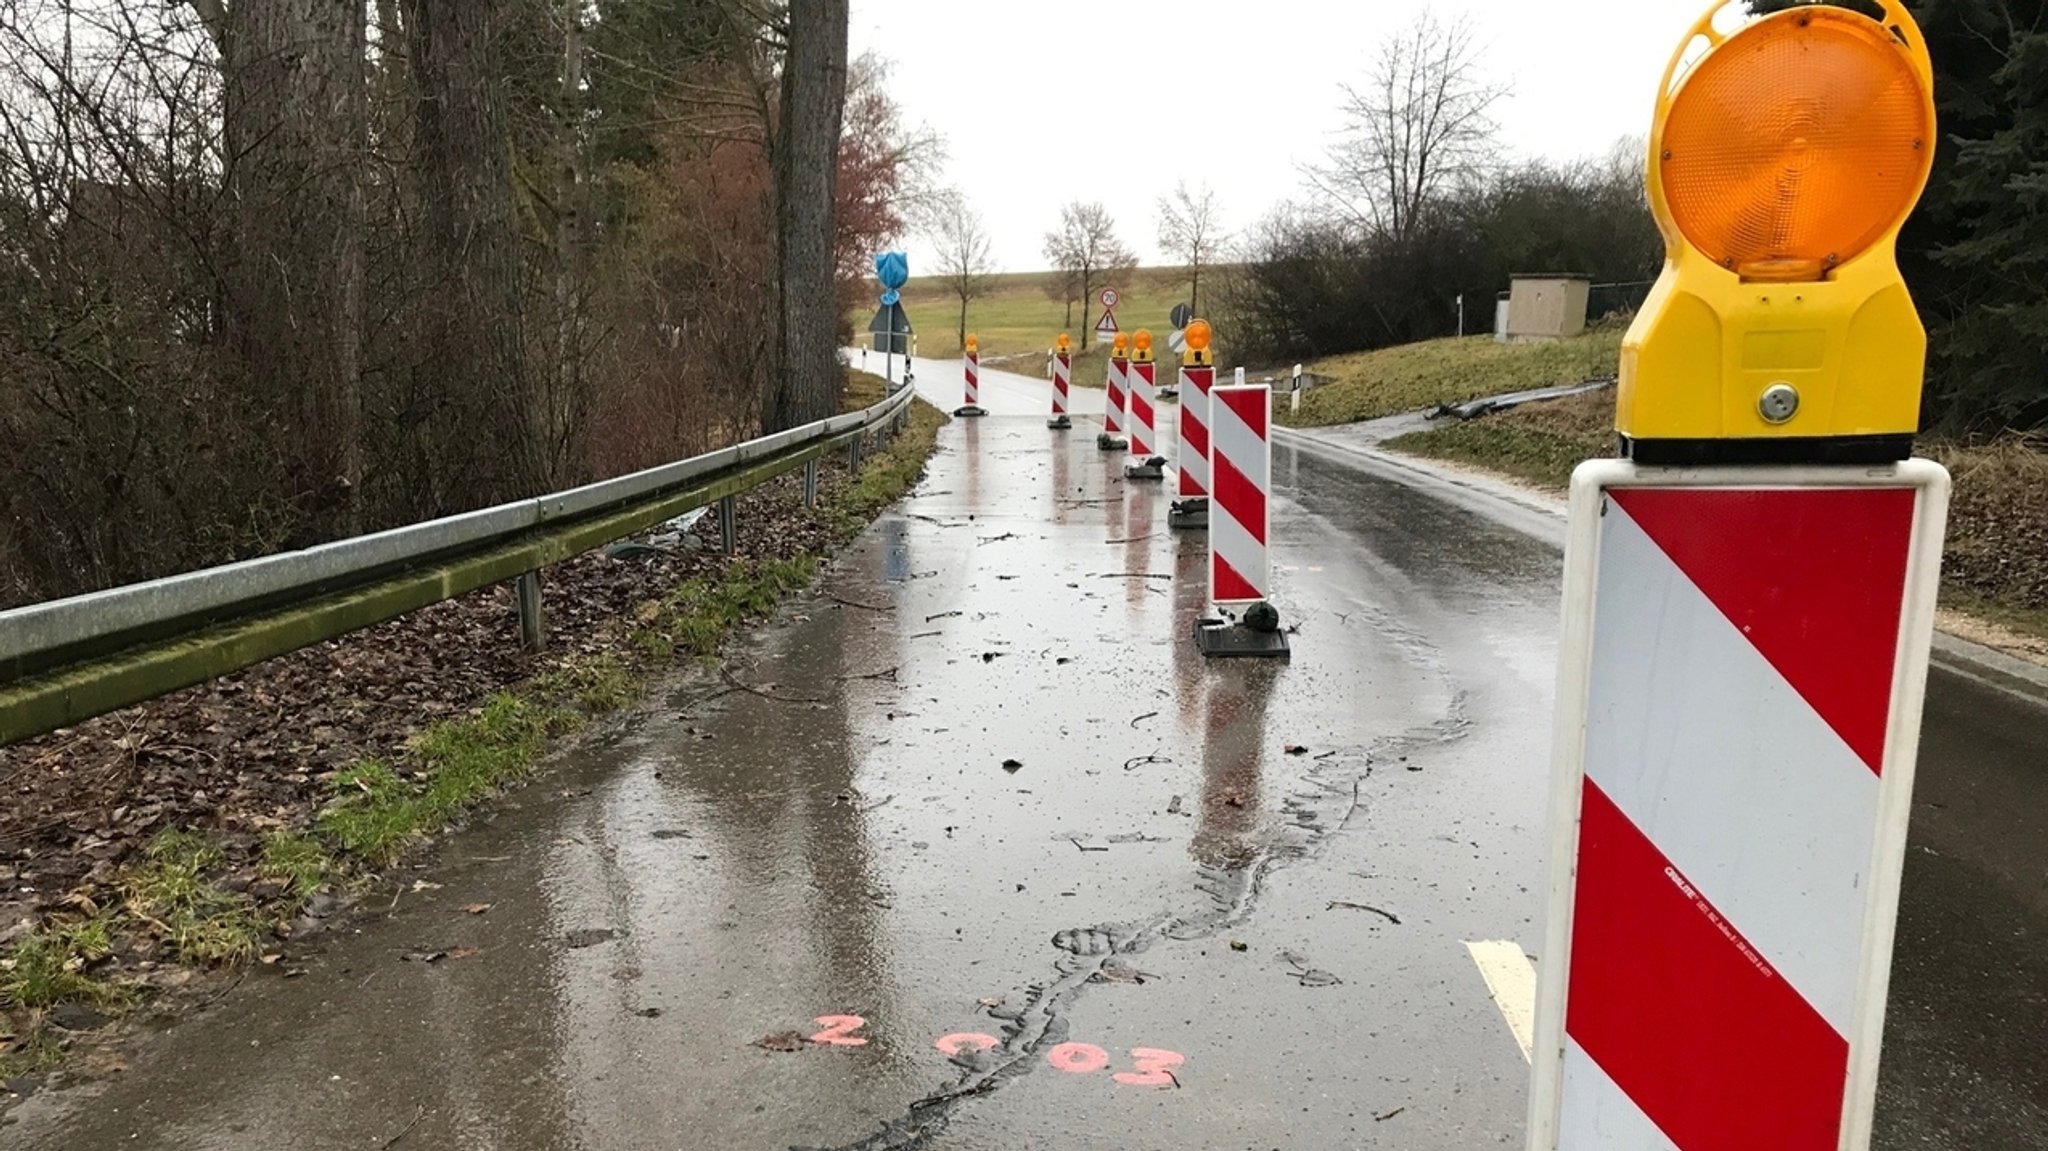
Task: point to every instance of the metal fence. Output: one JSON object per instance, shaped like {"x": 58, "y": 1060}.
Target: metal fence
{"x": 71, "y": 659}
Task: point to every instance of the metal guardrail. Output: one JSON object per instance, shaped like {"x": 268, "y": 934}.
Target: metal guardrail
{"x": 68, "y": 660}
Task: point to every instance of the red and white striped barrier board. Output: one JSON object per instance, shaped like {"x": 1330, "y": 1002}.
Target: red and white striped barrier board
{"x": 1241, "y": 456}
{"x": 1744, "y": 663}
{"x": 973, "y": 378}
{"x": 1141, "y": 375}
{"x": 1113, "y": 415}
{"x": 1192, "y": 460}
{"x": 1062, "y": 382}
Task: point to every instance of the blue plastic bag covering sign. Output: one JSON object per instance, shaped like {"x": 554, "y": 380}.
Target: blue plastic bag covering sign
{"x": 893, "y": 269}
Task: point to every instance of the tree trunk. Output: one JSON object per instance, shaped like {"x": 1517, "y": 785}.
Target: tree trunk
{"x": 471, "y": 321}
{"x": 296, "y": 130}
{"x": 963, "y": 320}
{"x": 561, "y": 422}
{"x": 808, "y": 384}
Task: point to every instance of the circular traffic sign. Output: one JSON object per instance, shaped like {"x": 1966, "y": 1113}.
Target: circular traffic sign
{"x": 1182, "y": 313}
{"x": 1109, "y": 297}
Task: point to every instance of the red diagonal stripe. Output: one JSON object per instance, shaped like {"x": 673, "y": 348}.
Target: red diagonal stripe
{"x": 1251, "y": 407}
{"x": 1229, "y": 584}
{"x": 1715, "y": 1047}
{"x": 1239, "y": 497}
{"x": 1194, "y": 435}
{"x": 1815, "y": 579}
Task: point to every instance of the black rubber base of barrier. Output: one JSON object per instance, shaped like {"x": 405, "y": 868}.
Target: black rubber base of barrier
{"x": 1189, "y": 515}
{"x": 1059, "y": 423}
{"x": 1109, "y": 443}
{"x": 1220, "y": 640}
{"x": 970, "y": 411}
{"x": 1152, "y": 469}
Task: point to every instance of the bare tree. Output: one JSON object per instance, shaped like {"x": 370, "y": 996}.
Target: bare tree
{"x": 1064, "y": 285}
{"x": 806, "y": 152}
{"x": 966, "y": 259}
{"x": 1087, "y": 251}
{"x": 1191, "y": 231}
{"x": 1420, "y": 127}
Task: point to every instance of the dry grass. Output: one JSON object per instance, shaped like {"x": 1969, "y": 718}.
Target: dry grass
{"x": 1418, "y": 377}
{"x": 1996, "y": 565}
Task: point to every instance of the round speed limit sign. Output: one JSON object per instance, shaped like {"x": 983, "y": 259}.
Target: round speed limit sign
{"x": 1109, "y": 297}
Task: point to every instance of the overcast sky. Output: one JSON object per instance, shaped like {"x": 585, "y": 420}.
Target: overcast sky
{"x": 1237, "y": 93}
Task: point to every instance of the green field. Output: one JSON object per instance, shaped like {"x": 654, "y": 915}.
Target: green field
{"x": 1018, "y": 321}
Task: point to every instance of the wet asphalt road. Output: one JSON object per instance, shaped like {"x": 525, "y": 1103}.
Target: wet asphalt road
{"x": 845, "y": 840}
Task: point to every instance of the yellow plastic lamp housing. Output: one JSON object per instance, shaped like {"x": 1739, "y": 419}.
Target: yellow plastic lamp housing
{"x": 1783, "y": 162}
{"x": 1141, "y": 344}
{"x": 1066, "y": 342}
{"x": 973, "y": 344}
{"x": 1122, "y": 345}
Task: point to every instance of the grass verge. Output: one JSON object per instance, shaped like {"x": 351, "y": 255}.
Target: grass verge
{"x": 1996, "y": 564}
{"x": 185, "y": 895}
{"x": 1416, "y": 377}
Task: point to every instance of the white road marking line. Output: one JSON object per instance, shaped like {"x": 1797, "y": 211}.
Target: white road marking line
{"x": 1511, "y": 980}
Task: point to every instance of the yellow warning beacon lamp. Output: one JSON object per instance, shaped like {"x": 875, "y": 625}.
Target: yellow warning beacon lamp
{"x": 1783, "y": 161}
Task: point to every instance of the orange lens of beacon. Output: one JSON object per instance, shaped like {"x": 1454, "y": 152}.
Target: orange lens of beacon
{"x": 1143, "y": 340}
{"x": 1797, "y": 145}
{"x": 1198, "y": 335}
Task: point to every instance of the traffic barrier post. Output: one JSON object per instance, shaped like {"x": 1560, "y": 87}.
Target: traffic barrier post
{"x": 1240, "y": 566}
{"x": 1191, "y": 458}
{"x": 1748, "y": 622}
{"x": 1112, "y": 439}
{"x": 1062, "y": 384}
{"x": 971, "y": 358}
{"x": 1146, "y": 463}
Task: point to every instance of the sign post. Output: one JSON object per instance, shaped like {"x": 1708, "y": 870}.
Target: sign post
{"x": 1105, "y": 328}
{"x": 1749, "y": 608}
{"x": 891, "y": 325}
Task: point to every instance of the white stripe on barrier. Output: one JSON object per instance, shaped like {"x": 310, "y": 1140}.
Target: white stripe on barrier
{"x": 1600, "y": 1116}
{"x": 1113, "y": 412}
{"x": 1192, "y": 457}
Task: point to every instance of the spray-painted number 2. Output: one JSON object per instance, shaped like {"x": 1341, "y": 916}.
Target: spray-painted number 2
{"x": 839, "y": 1030}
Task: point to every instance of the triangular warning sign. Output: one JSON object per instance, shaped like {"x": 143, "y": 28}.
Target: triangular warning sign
{"x": 1107, "y": 323}
{"x": 1815, "y": 580}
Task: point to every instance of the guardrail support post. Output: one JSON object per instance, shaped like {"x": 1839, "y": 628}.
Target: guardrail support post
{"x": 853, "y": 454}
{"x": 729, "y": 524}
{"x": 811, "y": 484}
{"x": 533, "y": 628}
